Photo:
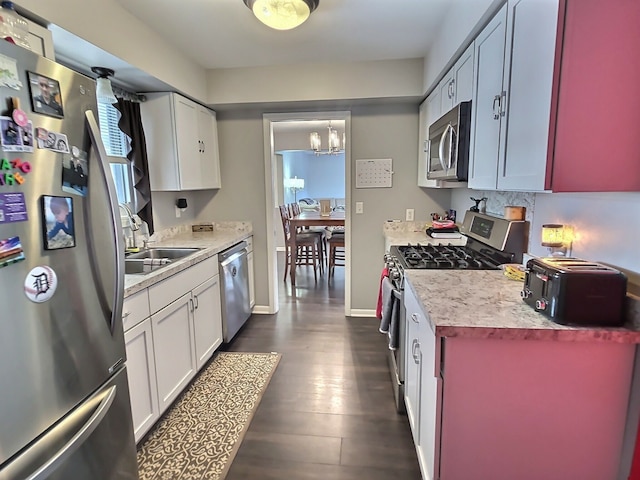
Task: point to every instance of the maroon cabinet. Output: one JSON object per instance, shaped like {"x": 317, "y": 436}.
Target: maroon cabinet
{"x": 595, "y": 141}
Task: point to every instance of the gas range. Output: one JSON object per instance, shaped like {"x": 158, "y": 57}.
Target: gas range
{"x": 490, "y": 242}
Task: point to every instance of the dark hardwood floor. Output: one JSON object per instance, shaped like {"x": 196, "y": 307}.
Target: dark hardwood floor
{"x": 328, "y": 412}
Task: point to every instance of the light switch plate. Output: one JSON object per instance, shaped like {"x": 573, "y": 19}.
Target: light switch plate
{"x": 359, "y": 207}
{"x": 409, "y": 215}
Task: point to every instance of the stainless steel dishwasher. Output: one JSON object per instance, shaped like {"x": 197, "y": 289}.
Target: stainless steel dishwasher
{"x": 234, "y": 274}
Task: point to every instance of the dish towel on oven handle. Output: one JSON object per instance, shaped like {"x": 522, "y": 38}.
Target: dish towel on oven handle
{"x": 385, "y": 273}
{"x": 390, "y": 311}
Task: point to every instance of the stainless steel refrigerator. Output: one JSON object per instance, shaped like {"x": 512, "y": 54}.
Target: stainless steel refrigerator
{"x": 64, "y": 398}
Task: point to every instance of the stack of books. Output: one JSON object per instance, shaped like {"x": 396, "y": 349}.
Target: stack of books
{"x": 443, "y": 229}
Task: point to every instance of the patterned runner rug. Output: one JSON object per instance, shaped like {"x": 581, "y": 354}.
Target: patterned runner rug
{"x": 198, "y": 437}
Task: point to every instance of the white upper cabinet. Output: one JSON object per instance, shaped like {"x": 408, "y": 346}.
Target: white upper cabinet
{"x": 455, "y": 87}
{"x": 514, "y": 61}
{"x": 457, "y": 84}
{"x": 485, "y": 114}
{"x": 182, "y": 143}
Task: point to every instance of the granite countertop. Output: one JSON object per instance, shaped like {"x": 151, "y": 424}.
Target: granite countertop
{"x": 210, "y": 243}
{"x": 486, "y": 304}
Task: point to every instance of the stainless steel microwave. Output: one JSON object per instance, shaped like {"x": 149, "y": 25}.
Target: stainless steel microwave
{"x": 449, "y": 143}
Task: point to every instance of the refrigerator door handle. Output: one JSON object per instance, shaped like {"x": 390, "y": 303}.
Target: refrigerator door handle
{"x": 96, "y": 142}
{"x": 20, "y": 467}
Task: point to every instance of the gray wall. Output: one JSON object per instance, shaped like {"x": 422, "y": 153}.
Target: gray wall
{"x": 323, "y": 175}
{"x": 377, "y": 131}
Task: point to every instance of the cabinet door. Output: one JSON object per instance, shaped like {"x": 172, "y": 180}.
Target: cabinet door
{"x": 207, "y": 320}
{"x": 141, "y": 372}
{"x": 486, "y": 128}
{"x": 413, "y": 365}
{"x": 596, "y": 134}
{"x": 174, "y": 349}
{"x": 187, "y": 138}
{"x": 447, "y": 93}
{"x": 463, "y": 76}
{"x": 428, "y": 396}
{"x": 528, "y": 79}
{"x": 208, "y": 147}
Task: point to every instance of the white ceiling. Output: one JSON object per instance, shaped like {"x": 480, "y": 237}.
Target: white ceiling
{"x": 225, "y": 34}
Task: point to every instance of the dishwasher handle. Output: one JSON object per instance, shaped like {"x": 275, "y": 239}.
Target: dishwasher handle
{"x": 225, "y": 256}
{"x": 229, "y": 260}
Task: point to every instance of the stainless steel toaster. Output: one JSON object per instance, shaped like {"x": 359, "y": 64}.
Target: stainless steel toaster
{"x": 574, "y": 291}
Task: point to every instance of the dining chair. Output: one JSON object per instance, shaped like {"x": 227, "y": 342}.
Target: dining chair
{"x": 294, "y": 209}
{"x": 336, "y": 251}
{"x": 308, "y": 246}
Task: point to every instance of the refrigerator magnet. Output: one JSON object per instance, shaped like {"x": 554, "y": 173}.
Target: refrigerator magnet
{"x": 54, "y": 141}
{"x": 75, "y": 173}
{"x": 57, "y": 222}
{"x": 46, "y": 98}
{"x": 40, "y": 284}
{"x": 16, "y": 138}
{"x": 9, "y": 73}
{"x": 13, "y": 208}
{"x": 10, "y": 251}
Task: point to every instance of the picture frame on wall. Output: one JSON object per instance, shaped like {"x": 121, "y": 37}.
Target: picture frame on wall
{"x": 46, "y": 98}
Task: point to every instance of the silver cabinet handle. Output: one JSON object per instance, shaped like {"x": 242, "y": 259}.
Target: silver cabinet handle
{"x": 424, "y": 146}
{"x": 414, "y": 317}
{"x": 496, "y": 111}
{"x": 191, "y": 305}
{"x": 125, "y": 315}
{"x": 195, "y": 297}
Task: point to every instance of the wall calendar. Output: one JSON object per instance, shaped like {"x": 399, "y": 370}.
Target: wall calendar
{"x": 374, "y": 173}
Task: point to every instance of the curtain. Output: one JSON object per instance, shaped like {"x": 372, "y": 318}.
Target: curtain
{"x": 131, "y": 124}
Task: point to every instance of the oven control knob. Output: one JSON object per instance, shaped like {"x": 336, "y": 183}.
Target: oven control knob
{"x": 541, "y": 304}
{"x": 525, "y": 293}
{"x": 394, "y": 274}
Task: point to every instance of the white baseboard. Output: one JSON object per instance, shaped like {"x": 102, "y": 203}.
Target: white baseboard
{"x": 357, "y": 312}
{"x": 261, "y": 310}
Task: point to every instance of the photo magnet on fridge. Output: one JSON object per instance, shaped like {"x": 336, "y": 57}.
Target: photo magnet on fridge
{"x": 45, "y": 95}
{"x": 75, "y": 173}
{"x": 57, "y": 222}
{"x": 10, "y": 251}
{"x": 54, "y": 141}
{"x": 14, "y": 137}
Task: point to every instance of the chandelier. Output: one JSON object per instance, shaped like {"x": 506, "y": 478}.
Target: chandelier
{"x": 335, "y": 146}
{"x": 282, "y": 14}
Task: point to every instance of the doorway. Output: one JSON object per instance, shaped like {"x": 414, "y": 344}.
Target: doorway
{"x": 273, "y": 188}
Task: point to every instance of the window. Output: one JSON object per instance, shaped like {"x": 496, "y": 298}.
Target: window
{"x": 116, "y": 144}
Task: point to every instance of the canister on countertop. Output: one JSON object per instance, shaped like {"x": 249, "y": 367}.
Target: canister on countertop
{"x": 514, "y": 213}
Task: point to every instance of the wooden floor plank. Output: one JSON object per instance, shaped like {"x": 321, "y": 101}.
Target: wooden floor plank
{"x": 328, "y": 412}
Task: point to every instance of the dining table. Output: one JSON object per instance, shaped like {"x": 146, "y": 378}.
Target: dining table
{"x": 311, "y": 219}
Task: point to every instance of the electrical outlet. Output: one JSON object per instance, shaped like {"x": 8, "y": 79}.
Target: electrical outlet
{"x": 359, "y": 207}
{"x": 409, "y": 215}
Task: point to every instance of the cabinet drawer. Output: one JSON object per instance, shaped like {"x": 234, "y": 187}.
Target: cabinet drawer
{"x": 163, "y": 293}
{"x": 135, "y": 309}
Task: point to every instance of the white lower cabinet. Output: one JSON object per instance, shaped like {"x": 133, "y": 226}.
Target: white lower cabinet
{"x": 141, "y": 372}
{"x": 207, "y": 319}
{"x": 166, "y": 350}
{"x": 174, "y": 349}
{"x": 421, "y": 384}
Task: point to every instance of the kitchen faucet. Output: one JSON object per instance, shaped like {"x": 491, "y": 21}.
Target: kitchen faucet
{"x": 134, "y": 224}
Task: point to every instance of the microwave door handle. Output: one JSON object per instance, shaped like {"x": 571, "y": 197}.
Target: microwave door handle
{"x": 451, "y": 145}
{"x": 441, "y": 148}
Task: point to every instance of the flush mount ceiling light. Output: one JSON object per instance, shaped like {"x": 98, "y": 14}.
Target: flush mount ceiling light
{"x": 104, "y": 92}
{"x": 282, "y": 14}
{"x": 334, "y": 142}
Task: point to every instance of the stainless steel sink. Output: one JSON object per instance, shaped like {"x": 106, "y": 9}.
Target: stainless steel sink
{"x": 147, "y": 261}
{"x": 159, "y": 253}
